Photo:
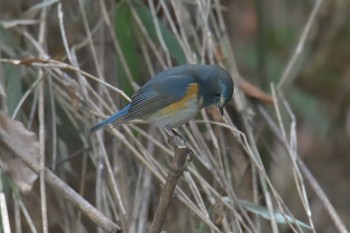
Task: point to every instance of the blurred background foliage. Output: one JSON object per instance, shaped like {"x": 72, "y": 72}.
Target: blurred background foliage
{"x": 263, "y": 36}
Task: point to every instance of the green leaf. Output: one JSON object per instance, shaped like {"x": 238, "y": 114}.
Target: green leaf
{"x": 170, "y": 40}
{"x": 13, "y": 86}
{"x": 280, "y": 218}
{"x": 7, "y": 40}
{"x": 124, "y": 30}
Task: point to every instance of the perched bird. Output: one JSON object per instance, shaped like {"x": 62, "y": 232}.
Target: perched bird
{"x": 175, "y": 96}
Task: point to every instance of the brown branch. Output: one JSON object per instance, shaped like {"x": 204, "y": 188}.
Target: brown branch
{"x": 56, "y": 183}
{"x": 181, "y": 159}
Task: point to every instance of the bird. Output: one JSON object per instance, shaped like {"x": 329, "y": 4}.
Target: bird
{"x": 174, "y": 96}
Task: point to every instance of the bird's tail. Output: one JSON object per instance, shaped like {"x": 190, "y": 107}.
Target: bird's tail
{"x": 116, "y": 119}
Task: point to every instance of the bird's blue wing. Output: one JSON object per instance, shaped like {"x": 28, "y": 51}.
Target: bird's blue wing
{"x": 157, "y": 93}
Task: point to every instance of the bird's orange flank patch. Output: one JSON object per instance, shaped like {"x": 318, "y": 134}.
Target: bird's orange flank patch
{"x": 192, "y": 92}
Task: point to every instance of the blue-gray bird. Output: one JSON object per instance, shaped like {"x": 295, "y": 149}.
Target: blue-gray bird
{"x": 175, "y": 96}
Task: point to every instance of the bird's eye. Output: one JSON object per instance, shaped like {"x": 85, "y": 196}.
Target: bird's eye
{"x": 217, "y": 94}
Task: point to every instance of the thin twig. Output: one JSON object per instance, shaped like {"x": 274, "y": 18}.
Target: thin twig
{"x": 42, "y": 155}
{"x": 99, "y": 182}
{"x": 43, "y": 200}
{"x": 113, "y": 183}
{"x": 178, "y": 165}
{"x": 300, "y": 46}
{"x": 27, "y": 217}
{"x": 144, "y": 205}
{"x": 5, "y": 222}
{"x": 17, "y": 214}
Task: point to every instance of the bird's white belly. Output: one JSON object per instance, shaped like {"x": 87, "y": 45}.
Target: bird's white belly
{"x": 175, "y": 118}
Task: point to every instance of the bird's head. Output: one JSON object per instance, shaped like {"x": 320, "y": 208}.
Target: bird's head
{"x": 216, "y": 86}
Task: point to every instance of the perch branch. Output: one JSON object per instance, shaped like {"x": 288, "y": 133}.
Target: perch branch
{"x": 181, "y": 159}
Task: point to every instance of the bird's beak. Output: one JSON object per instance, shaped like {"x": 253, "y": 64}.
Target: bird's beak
{"x": 221, "y": 109}
{"x": 221, "y": 105}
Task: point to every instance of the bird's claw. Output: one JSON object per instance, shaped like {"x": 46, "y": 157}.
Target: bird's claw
{"x": 176, "y": 139}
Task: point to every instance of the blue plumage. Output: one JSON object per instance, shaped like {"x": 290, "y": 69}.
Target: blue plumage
{"x": 214, "y": 86}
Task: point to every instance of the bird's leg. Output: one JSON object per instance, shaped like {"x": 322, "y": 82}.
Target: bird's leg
{"x": 175, "y": 137}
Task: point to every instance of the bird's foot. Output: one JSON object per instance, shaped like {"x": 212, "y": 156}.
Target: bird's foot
{"x": 175, "y": 138}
